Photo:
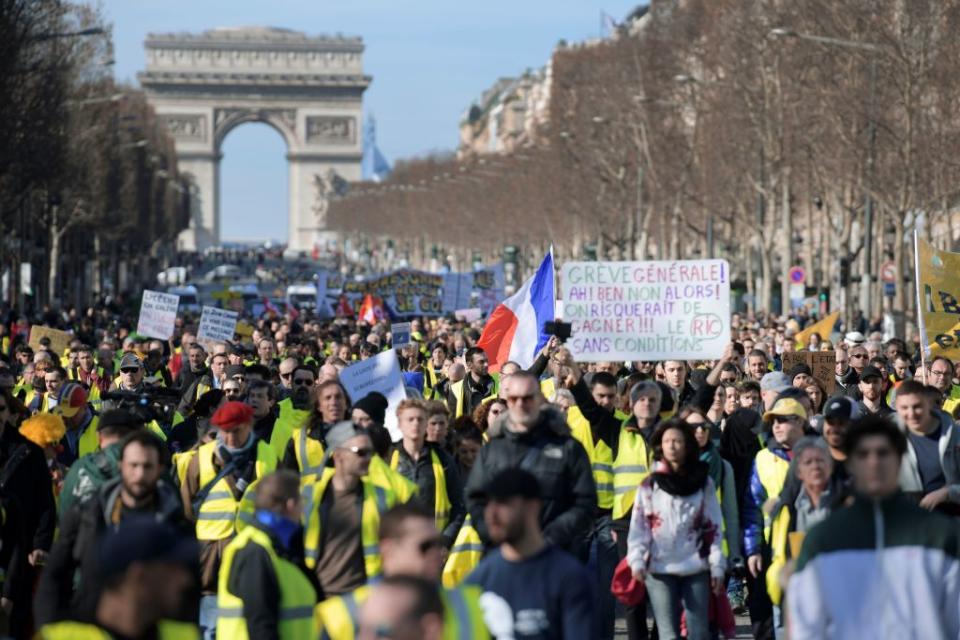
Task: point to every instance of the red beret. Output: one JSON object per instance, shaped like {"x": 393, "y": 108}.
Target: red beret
{"x": 231, "y": 415}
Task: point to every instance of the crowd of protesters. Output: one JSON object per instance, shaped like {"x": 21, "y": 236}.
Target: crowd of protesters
{"x": 172, "y": 489}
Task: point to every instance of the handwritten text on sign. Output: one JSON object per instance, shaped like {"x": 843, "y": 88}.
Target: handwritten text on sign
{"x": 216, "y": 325}
{"x": 158, "y": 314}
{"x": 647, "y": 310}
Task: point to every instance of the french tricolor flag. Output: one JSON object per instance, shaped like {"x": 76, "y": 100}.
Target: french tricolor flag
{"x": 515, "y": 328}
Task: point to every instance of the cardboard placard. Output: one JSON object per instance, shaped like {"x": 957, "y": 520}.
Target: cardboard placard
{"x": 158, "y": 314}
{"x": 823, "y": 364}
{"x": 400, "y": 335}
{"x": 217, "y": 325}
{"x": 59, "y": 340}
{"x": 659, "y": 310}
{"x": 378, "y": 373}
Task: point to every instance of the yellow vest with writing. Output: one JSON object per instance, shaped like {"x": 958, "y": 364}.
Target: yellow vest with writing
{"x": 297, "y": 596}
{"x": 218, "y": 515}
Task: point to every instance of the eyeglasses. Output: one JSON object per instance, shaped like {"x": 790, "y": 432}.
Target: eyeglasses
{"x": 302, "y": 382}
{"x": 515, "y": 399}
{"x": 427, "y": 545}
{"x": 939, "y": 374}
{"x": 858, "y": 356}
{"x": 361, "y": 452}
{"x": 699, "y": 425}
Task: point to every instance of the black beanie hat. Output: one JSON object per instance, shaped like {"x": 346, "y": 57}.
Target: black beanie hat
{"x": 374, "y": 404}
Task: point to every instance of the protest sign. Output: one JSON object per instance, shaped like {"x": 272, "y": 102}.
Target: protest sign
{"x": 823, "y": 365}
{"x": 400, "y": 334}
{"x": 623, "y": 311}
{"x": 216, "y": 325}
{"x": 380, "y": 373}
{"x": 158, "y": 314}
{"x": 59, "y": 340}
{"x": 468, "y": 315}
{"x": 938, "y": 292}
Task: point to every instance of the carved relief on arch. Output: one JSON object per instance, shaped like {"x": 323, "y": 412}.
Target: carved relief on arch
{"x": 185, "y": 126}
{"x": 334, "y": 130}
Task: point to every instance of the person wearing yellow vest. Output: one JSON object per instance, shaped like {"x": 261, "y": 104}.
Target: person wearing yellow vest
{"x": 477, "y": 386}
{"x": 293, "y": 411}
{"x": 410, "y": 545}
{"x": 433, "y": 378}
{"x": 215, "y": 489}
{"x": 81, "y": 422}
{"x": 342, "y": 509}
{"x": 87, "y": 372}
{"x": 814, "y": 501}
{"x": 304, "y": 451}
{"x": 405, "y": 608}
{"x": 264, "y": 589}
{"x": 431, "y": 468}
{"x": 147, "y": 570}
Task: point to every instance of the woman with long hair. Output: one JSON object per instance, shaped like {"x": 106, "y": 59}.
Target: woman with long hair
{"x": 674, "y": 542}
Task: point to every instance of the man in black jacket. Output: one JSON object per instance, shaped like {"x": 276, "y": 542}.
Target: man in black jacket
{"x": 536, "y": 438}
{"x": 139, "y": 492}
{"x": 26, "y": 487}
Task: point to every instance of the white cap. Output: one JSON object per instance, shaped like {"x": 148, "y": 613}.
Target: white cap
{"x": 854, "y": 338}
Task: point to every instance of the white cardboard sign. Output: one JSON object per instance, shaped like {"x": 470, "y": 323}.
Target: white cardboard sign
{"x": 378, "y": 373}
{"x": 158, "y": 314}
{"x": 217, "y": 325}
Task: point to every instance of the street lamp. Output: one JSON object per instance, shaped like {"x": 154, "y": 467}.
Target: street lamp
{"x": 866, "y": 284}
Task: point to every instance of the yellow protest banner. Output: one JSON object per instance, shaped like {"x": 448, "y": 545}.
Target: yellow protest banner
{"x": 938, "y": 289}
{"x": 59, "y": 340}
{"x": 823, "y": 327}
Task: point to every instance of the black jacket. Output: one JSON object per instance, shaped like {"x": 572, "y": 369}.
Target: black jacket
{"x": 560, "y": 464}
{"x": 253, "y": 579}
{"x": 28, "y": 491}
{"x": 81, "y": 530}
{"x": 421, "y": 473}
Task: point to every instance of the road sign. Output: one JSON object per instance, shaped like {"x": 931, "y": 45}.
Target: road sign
{"x": 798, "y": 275}
{"x": 889, "y": 289}
{"x": 888, "y": 271}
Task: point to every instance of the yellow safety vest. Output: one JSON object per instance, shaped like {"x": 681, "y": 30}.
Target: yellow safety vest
{"x": 430, "y": 382}
{"x": 952, "y": 400}
{"x": 218, "y": 515}
{"x": 465, "y": 555}
{"x": 376, "y": 500}
{"x": 288, "y": 421}
{"x": 630, "y": 468}
{"x": 779, "y": 531}
{"x": 180, "y": 462}
{"x": 457, "y": 390}
{"x": 297, "y": 596}
{"x": 166, "y": 630}
{"x": 601, "y": 456}
{"x": 338, "y": 618}
{"x": 89, "y": 442}
{"x": 772, "y": 471}
{"x": 309, "y": 453}
{"x": 441, "y": 500}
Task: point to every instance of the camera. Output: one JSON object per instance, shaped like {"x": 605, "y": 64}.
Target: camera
{"x": 561, "y": 330}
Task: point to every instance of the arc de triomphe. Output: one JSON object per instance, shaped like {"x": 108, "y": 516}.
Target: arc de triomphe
{"x": 308, "y": 88}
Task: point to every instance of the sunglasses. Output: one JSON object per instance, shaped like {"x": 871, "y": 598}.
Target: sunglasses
{"x": 301, "y": 382}
{"x": 231, "y": 391}
{"x": 362, "y": 452}
{"x": 515, "y": 399}
{"x": 782, "y": 419}
{"x": 428, "y": 545}
{"x": 129, "y": 370}
{"x": 285, "y": 375}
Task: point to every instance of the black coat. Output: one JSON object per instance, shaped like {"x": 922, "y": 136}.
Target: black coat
{"x": 81, "y": 531}
{"x": 560, "y": 464}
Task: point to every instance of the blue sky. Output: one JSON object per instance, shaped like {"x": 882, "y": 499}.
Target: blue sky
{"x": 429, "y": 60}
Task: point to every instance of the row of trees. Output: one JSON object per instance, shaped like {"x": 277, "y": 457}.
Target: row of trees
{"x": 817, "y": 133}
{"x": 89, "y": 191}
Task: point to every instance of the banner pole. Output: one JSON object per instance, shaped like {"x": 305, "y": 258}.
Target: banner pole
{"x": 921, "y": 327}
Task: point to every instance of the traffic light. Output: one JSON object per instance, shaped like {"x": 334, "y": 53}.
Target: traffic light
{"x": 844, "y": 272}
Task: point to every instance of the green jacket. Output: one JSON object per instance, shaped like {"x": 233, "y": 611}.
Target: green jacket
{"x": 87, "y": 475}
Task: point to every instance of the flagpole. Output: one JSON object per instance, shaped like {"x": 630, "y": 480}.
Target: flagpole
{"x": 920, "y": 324}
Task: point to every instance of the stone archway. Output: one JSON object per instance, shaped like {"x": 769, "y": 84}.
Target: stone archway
{"x": 310, "y": 89}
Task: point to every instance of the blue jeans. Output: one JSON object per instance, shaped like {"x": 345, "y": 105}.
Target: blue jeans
{"x": 208, "y": 617}
{"x": 667, "y": 593}
{"x": 602, "y": 564}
